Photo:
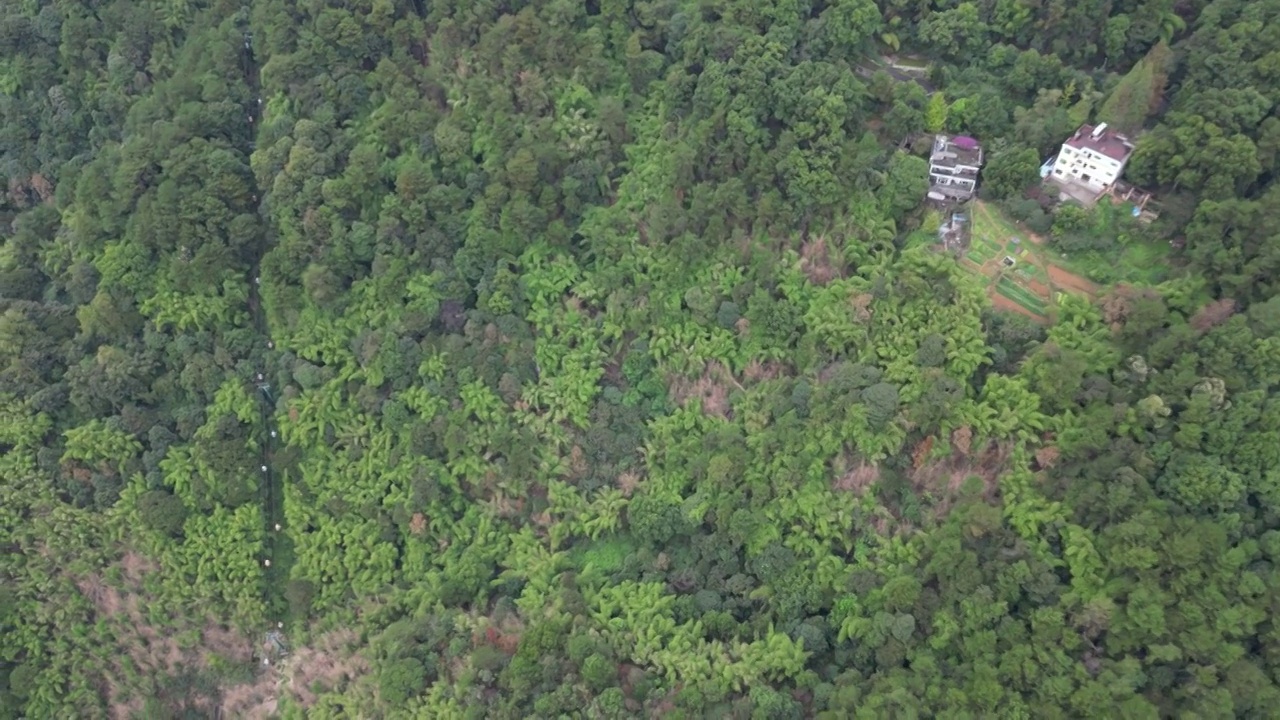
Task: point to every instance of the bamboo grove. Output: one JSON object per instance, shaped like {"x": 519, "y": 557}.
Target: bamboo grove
{"x": 594, "y": 360}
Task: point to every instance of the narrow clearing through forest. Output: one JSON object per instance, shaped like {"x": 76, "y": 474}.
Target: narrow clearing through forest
{"x": 277, "y": 556}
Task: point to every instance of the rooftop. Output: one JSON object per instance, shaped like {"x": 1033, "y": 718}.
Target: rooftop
{"x": 952, "y": 151}
{"x": 958, "y": 192}
{"x": 949, "y": 168}
{"x": 1070, "y": 190}
{"x": 1102, "y": 140}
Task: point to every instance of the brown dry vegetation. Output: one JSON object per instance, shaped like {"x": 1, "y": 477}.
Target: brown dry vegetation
{"x": 816, "y": 261}
{"x": 1213, "y": 315}
{"x": 505, "y": 507}
{"x": 1116, "y": 307}
{"x": 1119, "y": 304}
{"x": 861, "y": 305}
{"x": 418, "y": 524}
{"x": 713, "y": 388}
{"x": 327, "y": 664}
{"x": 757, "y": 371}
{"x": 135, "y": 566}
{"x": 853, "y": 473}
{"x": 945, "y": 477}
{"x": 22, "y": 193}
{"x": 1047, "y": 457}
{"x": 628, "y": 482}
{"x": 157, "y": 653}
{"x": 921, "y": 453}
{"x": 858, "y": 478}
{"x": 884, "y": 523}
{"x": 257, "y": 701}
{"x": 142, "y": 649}
{"x": 578, "y": 467}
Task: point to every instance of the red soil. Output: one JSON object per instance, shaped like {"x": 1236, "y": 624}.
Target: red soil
{"x": 1070, "y": 281}
{"x": 1001, "y": 302}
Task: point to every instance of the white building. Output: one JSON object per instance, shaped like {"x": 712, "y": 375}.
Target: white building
{"x": 1092, "y": 159}
{"x": 953, "y": 167}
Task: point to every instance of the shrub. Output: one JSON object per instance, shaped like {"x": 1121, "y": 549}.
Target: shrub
{"x": 162, "y": 511}
{"x": 299, "y": 594}
{"x": 1071, "y": 219}
{"x": 401, "y": 680}
{"x": 599, "y": 672}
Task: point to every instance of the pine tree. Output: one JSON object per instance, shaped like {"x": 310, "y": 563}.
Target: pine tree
{"x": 1139, "y": 92}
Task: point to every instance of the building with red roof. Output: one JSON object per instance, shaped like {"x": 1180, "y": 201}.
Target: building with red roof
{"x": 1092, "y": 159}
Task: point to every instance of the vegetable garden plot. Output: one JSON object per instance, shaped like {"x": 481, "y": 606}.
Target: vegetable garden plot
{"x": 1030, "y": 271}
{"x": 981, "y": 250}
{"x": 1021, "y": 296}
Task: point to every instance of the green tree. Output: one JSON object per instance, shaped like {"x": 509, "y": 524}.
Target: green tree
{"x": 1139, "y": 92}
{"x": 1044, "y": 125}
{"x": 955, "y": 32}
{"x": 162, "y": 511}
{"x": 882, "y": 403}
{"x": 1188, "y": 152}
{"x": 599, "y": 672}
{"x": 849, "y": 27}
{"x": 400, "y": 680}
{"x": 1010, "y": 171}
{"x": 905, "y": 184}
{"x": 935, "y": 115}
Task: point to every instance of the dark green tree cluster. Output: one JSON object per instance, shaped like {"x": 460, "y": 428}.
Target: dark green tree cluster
{"x": 127, "y": 351}
{"x": 1219, "y": 141}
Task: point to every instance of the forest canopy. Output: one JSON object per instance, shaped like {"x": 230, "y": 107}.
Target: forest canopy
{"x": 553, "y": 359}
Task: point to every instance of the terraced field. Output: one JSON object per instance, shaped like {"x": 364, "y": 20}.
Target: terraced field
{"x": 983, "y": 250}
{"x": 1030, "y": 284}
{"x": 1019, "y": 294}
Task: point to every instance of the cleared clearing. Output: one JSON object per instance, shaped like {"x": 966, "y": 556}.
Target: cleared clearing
{"x": 1029, "y": 285}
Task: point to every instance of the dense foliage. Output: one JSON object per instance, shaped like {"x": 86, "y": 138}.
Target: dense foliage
{"x": 580, "y": 359}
